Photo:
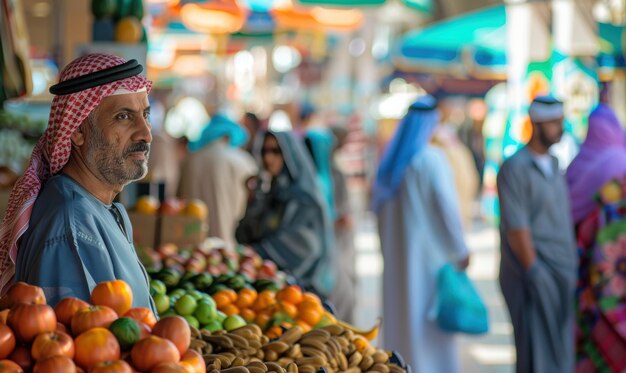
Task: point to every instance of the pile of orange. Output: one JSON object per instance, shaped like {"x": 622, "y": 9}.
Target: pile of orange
{"x": 101, "y": 336}
{"x": 305, "y": 308}
{"x": 289, "y": 306}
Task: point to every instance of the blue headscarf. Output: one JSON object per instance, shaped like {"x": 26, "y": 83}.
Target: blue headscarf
{"x": 320, "y": 143}
{"x": 218, "y": 127}
{"x": 413, "y": 134}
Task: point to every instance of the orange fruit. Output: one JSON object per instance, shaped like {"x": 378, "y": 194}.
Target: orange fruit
{"x": 309, "y": 305}
{"x": 265, "y": 299}
{"x": 274, "y": 332}
{"x": 230, "y": 310}
{"x": 221, "y": 299}
{"x": 310, "y": 297}
{"x": 310, "y": 316}
{"x": 196, "y": 208}
{"x": 147, "y": 205}
{"x": 246, "y": 297}
{"x": 128, "y": 30}
{"x": 115, "y": 294}
{"x": 289, "y": 309}
{"x": 262, "y": 319}
{"x": 291, "y": 294}
{"x": 143, "y": 315}
{"x": 247, "y": 315}
{"x": 306, "y": 327}
{"x": 232, "y": 295}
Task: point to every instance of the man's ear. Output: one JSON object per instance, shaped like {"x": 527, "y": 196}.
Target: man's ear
{"x": 79, "y": 136}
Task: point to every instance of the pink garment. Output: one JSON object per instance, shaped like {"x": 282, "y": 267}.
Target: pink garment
{"x": 52, "y": 151}
{"x": 602, "y": 158}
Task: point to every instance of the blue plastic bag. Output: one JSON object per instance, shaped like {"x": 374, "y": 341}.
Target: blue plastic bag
{"x": 459, "y": 306}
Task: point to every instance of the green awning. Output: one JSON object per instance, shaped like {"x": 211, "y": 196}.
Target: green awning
{"x": 471, "y": 44}
{"x": 425, "y": 6}
{"x": 474, "y": 45}
{"x": 342, "y": 3}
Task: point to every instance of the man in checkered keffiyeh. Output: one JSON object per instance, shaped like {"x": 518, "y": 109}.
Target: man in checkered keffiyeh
{"x": 62, "y": 231}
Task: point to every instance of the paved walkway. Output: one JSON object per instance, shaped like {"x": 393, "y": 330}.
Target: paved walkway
{"x": 493, "y": 352}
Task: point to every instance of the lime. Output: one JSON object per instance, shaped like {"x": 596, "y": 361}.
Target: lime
{"x": 234, "y": 322}
{"x": 208, "y": 300}
{"x": 157, "y": 287}
{"x": 186, "y": 305}
{"x": 179, "y": 292}
{"x": 221, "y": 316}
{"x": 213, "y": 326}
{"x": 197, "y": 295}
{"x": 192, "y": 321}
{"x": 126, "y": 331}
{"x": 205, "y": 312}
{"x": 162, "y": 302}
{"x": 169, "y": 312}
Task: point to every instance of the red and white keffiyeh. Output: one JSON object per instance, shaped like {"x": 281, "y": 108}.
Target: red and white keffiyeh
{"x": 52, "y": 151}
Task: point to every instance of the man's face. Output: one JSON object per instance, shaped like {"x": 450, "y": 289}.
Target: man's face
{"x": 118, "y": 138}
{"x": 272, "y": 156}
{"x": 550, "y": 132}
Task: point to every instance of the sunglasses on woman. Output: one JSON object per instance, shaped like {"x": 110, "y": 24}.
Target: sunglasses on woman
{"x": 270, "y": 150}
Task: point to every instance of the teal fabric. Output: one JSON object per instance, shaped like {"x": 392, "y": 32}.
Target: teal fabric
{"x": 342, "y": 3}
{"x": 457, "y": 46}
{"x": 460, "y": 308}
{"x": 474, "y": 45}
{"x": 425, "y": 6}
{"x": 320, "y": 144}
{"x": 218, "y": 127}
{"x": 74, "y": 242}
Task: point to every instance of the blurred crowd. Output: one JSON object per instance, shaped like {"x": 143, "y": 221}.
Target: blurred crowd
{"x": 283, "y": 192}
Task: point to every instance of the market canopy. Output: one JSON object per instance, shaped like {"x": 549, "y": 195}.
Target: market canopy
{"x": 474, "y": 45}
{"x": 342, "y": 3}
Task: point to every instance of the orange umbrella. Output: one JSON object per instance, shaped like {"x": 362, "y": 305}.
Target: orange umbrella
{"x": 289, "y": 16}
{"x": 214, "y": 17}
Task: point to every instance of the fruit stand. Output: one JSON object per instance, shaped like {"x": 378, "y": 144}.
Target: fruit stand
{"x": 218, "y": 310}
{"x": 107, "y": 335}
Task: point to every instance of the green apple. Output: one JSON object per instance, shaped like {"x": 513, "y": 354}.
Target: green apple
{"x": 186, "y": 305}
{"x": 221, "y": 316}
{"x": 208, "y": 299}
{"x": 162, "y": 302}
{"x": 205, "y": 312}
{"x": 192, "y": 321}
{"x": 179, "y": 292}
{"x": 234, "y": 322}
{"x": 157, "y": 287}
{"x": 197, "y": 295}
{"x": 203, "y": 281}
{"x": 213, "y": 326}
{"x": 169, "y": 312}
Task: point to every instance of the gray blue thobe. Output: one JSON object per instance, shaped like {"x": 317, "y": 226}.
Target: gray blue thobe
{"x": 74, "y": 241}
{"x": 540, "y": 299}
{"x": 420, "y": 231}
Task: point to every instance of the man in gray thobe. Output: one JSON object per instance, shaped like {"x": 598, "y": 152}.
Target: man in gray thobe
{"x": 538, "y": 259}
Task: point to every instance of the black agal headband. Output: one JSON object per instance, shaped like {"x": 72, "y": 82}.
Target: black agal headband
{"x": 112, "y": 74}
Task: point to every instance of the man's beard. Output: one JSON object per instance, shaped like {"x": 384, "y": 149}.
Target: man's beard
{"x": 115, "y": 169}
{"x": 545, "y": 141}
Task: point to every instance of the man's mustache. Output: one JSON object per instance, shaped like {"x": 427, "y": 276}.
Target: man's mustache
{"x": 138, "y": 147}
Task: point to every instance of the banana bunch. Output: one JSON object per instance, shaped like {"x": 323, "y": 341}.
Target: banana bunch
{"x": 247, "y": 350}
